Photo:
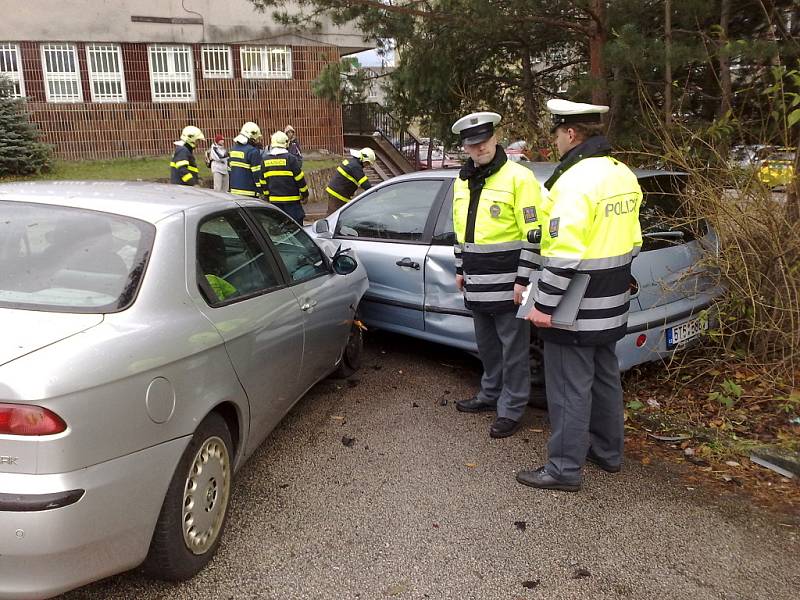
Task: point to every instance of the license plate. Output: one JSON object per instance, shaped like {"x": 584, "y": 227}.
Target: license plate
{"x": 685, "y": 332}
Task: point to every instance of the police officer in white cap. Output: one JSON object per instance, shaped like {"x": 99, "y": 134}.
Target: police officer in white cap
{"x": 591, "y": 225}
{"x": 495, "y": 204}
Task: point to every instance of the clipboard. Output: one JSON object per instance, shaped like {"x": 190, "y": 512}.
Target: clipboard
{"x": 566, "y": 312}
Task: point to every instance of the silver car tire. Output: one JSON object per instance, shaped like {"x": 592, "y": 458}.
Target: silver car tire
{"x": 353, "y": 352}
{"x": 195, "y": 509}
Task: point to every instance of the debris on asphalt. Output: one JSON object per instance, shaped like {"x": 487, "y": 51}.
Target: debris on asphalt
{"x": 414, "y": 405}
{"x": 530, "y": 584}
{"x": 471, "y": 465}
{"x": 283, "y": 486}
{"x": 771, "y": 466}
{"x": 732, "y": 463}
{"x": 785, "y": 459}
{"x": 348, "y": 441}
{"x": 338, "y": 418}
{"x": 581, "y": 574}
{"x": 521, "y": 525}
{"x": 670, "y": 438}
{"x": 442, "y": 401}
{"x": 653, "y": 403}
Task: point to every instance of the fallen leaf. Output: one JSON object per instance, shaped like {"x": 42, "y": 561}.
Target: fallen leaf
{"x": 732, "y": 463}
{"x": 471, "y": 465}
{"x": 537, "y": 430}
{"x": 337, "y": 418}
{"x": 436, "y": 526}
{"x": 646, "y": 460}
{"x": 530, "y": 584}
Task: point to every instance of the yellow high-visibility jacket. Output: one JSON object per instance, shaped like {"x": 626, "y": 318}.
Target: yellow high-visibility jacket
{"x": 590, "y": 225}
{"x": 491, "y": 223}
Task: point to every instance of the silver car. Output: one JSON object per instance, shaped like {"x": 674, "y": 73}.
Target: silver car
{"x": 402, "y": 231}
{"x": 153, "y": 335}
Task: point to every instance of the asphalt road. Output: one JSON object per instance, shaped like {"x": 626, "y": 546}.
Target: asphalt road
{"x": 423, "y": 504}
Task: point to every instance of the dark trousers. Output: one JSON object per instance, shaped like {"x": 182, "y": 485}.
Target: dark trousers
{"x": 504, "y": 347}
{"x": 293, "y": 209}
{"x": 584, "y": 399}
{"x": 334, "y": 204}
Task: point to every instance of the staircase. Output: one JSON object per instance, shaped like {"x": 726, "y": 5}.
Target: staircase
{"x": 370, "y": 125}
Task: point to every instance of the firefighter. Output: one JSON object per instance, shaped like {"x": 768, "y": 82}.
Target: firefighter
{"x": 245, "y": 162}
{"x": 591, "y": 225}
{"x": 285, "y": 183}
{"x": 183, "y": 167}
{"x": 495, "y": 205}
{"x": 348, "y": 178}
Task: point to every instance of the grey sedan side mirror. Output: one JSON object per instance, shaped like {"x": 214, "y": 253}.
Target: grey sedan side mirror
{"x": 322, "y": 228}
{"x": 344, "y": 264}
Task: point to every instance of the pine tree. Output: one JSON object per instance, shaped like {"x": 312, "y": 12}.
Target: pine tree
{"x": 21, "y": 152}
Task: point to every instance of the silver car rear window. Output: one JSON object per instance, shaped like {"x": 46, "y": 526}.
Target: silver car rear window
{"x": 57, "y": 258}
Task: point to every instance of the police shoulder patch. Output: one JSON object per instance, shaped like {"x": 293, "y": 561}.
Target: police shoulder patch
{"x": 529, "y": 213}
{"x": 554, "y": 227}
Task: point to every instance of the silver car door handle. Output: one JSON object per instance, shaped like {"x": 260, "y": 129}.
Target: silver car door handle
{"x": 407, "y": 262}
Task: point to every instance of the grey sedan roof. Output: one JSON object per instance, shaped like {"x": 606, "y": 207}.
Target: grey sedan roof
{"x": 146, "y": 201}
{"x": 542, "y": 171}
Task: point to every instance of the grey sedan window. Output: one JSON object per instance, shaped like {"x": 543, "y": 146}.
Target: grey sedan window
{"x": 395, "y": 212}
{"x": 68, "y": 259}
{"x": 302, "y": 257}
{"x": 230, "y": 260}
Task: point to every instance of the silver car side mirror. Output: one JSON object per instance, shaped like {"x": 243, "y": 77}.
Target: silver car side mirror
{"x": 322, "y": 228}
{"x": 344, "y": 264}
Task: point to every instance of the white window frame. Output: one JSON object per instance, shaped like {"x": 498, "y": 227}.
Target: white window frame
{"x": 216, "y": 51}
{"x": 265, "y": 54}
{"x": 67, "y": 77}
{"x": 100, "y": 77}
{"x": 16, "y": 78}
{"x": 172, "y": 76}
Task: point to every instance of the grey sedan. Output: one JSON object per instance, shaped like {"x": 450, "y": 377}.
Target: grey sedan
{"x": 152, "y": 337}
{"x": 402, "y": 231}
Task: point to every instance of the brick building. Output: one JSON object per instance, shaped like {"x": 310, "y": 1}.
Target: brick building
{"x": 109, "y": 78}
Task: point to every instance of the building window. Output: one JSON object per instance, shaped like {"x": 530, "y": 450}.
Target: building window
{"x": 11, "y": 68}
{"x": 61, "y": 76}
{"x": 171, "y": 75}
{"x": 106, "y": 77}
{"x": 266, "y": 62}
{"x": 217, "y": 62}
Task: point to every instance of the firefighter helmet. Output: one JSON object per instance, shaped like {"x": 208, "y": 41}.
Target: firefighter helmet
{"x": 251, "y": 131}
{"x": 279, "y": 140}
{"x": 192, "y": 134}
{"x": 366, "y": 155}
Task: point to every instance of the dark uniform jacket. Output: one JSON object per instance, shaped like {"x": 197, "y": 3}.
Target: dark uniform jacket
{"x": 245, "y": 170}
{"x": 284, "y": 178}
{"x": 348, "y": 178}
{"x": 183, "y": 168}
{"x": 591, "y": 225}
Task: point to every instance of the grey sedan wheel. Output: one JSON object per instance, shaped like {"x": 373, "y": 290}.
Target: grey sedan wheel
{"x": 195, "y": 508}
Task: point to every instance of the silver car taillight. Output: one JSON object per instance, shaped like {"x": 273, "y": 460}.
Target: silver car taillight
{"x": 23, "y": 419}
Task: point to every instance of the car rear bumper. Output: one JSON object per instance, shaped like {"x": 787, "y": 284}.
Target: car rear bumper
{"x": 652, "y": 325}
{"x": 104, "y": 530}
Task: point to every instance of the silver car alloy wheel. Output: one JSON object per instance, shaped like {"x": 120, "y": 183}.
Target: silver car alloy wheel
{"x": 205, "y": 495}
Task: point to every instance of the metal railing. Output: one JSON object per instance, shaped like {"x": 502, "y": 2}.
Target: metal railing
{"x": 370, "y": 118}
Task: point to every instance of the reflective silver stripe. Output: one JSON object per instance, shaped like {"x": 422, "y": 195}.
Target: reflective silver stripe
{"x": 588, "y": 264}
{"x": 601, "y": 324}
{"x": 489, "y": 296}
{"x": 560, "y": 263}
{"x": 636, "y": 250}
{"x": 459, "y": 261}
{"x": 492, "y": 278}
{"x": 546, "y": 299}
{"x": 524, "y": 272}
{"x": 555, "y": 280}
{"x": 488, "y": 248}
{"x": 605, "y": 301}
{"x": 530, "y": 256}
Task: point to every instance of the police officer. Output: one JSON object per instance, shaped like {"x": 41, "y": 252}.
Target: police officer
{"x": 495, "y": 204}
{"x": 183, "y": 166}
{"x": 245, "y": 162}
{"x": 348, "y": 178}
{"x": 285, "y": 183}
{"x": 591, "y": 219}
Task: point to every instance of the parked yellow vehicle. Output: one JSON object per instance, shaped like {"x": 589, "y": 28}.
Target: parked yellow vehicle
{"x": 777, "y": 167}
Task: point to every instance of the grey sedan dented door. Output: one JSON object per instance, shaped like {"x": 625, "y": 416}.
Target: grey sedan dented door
{"x": 390, "y": 229}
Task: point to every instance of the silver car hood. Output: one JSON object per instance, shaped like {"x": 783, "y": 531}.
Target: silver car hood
{"x": 25, "y": 331}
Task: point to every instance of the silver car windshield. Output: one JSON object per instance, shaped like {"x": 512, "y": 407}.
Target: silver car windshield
{"x": 63, "y": 259}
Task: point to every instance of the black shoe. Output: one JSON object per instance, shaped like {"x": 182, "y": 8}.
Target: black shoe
{"x": 473, "y": 405}
{"x": 541, "y": 479}
{"x": 606, "y": 466}
{"x": 503, "y": 427}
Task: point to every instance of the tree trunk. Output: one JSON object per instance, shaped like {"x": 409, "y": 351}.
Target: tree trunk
{"x": 597, "y": 42}
{"x": 667, "y": 62}
{"x": 724, "y": 59}
{"x": 528, "y": 97}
